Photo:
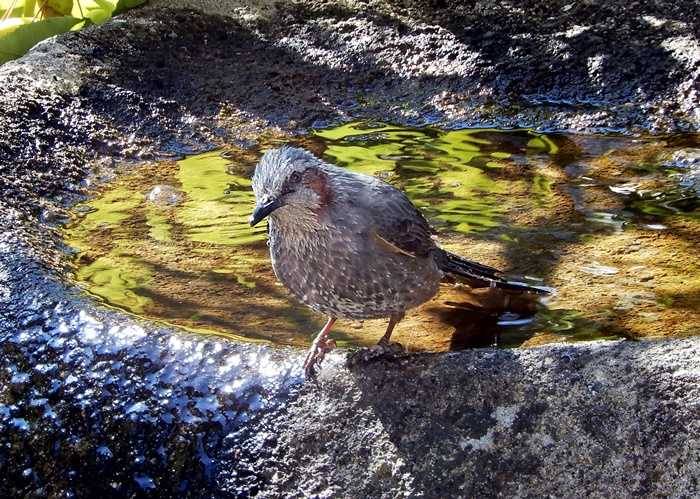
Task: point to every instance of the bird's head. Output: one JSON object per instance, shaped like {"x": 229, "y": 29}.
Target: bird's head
{"x": 290, "y": 180}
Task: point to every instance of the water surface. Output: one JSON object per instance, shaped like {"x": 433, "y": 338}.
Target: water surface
{"x": 602, "y": 219}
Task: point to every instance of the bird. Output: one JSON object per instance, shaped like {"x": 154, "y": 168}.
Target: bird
{"x": 352, "y": 246}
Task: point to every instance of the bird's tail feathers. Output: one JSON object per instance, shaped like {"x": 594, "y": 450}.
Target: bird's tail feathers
{"x": 481, "y": 276}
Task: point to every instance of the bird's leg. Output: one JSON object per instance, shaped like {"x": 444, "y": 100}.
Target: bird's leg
{"x": 321, "y": 345}
{"x": 382, "y": 349}
{"x": 393, "y": 321}
{"x": 385, "y": 347}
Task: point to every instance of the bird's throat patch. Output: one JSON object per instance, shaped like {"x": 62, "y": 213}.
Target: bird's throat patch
{"x": 318, "y": 182}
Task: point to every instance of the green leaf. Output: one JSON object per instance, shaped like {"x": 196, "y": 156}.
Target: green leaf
{"x": 63, "y": 7}
{"x": 9, "y": 25}
{"x": 29, "y": 7}
{"x": 80, "y": 24}
{"x": 124, "y": 5}
{"x": 18, "y": 8}
{"x": 18, "y": 42}
{"x": 98, "y": 11}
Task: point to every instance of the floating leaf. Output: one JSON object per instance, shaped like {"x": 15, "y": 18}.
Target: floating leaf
{"x": 544, "y": 143}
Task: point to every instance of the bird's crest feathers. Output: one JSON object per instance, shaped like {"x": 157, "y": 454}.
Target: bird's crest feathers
{"x": 277, "y": 165}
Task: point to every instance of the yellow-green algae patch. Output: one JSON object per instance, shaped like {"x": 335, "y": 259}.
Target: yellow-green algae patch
{"x": 542, "y": 207}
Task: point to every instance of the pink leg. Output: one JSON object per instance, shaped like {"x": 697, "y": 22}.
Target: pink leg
{"x": 393, "y": 321}
{"x": 321, "y": 345}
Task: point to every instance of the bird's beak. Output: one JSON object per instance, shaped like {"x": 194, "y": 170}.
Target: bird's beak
{"x": 263, "y": 209}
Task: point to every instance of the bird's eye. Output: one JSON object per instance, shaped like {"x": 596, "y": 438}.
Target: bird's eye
{"x": 295, "y": 177}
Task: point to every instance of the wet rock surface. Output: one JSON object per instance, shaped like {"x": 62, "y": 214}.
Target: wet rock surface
{"x": 85, "y": 394}
{"x": 603, "y": 420}
{"x": 95, "y": 403}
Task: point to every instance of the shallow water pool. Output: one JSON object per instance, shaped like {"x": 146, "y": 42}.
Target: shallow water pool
{"x": 608, "y": 221}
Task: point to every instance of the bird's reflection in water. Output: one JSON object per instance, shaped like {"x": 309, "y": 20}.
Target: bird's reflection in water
{"x": 478, "y": 315}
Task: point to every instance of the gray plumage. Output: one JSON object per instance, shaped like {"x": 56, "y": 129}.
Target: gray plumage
{"x": 350, "y": 245}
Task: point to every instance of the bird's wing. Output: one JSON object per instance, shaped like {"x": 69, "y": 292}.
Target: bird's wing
{"x": 397, "y": 225}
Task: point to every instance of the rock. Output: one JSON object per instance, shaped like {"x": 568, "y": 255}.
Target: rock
{"x": 499, "y": 423}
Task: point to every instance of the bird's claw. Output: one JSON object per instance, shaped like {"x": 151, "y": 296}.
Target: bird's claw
{"x": 319, "y": 348}
{"x": 383, "y": 349}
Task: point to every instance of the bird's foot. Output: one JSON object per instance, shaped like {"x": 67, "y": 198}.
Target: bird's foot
{"x": 382, "y": 350}
{"x": 319, "y": 348}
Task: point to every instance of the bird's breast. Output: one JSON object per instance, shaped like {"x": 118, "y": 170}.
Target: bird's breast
{"x": 310, "y": 263}
{"x": 340, "y": 273}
